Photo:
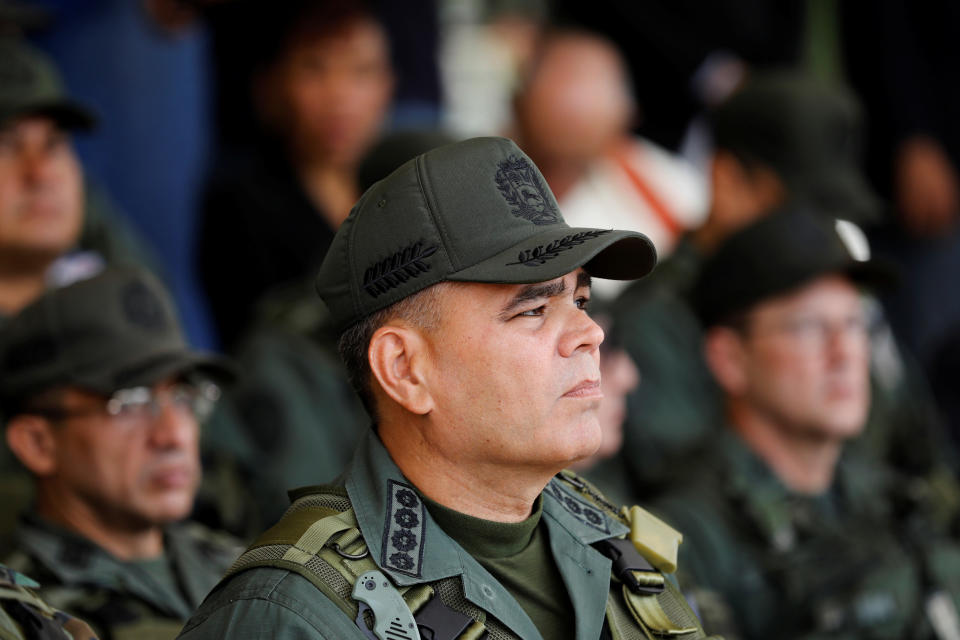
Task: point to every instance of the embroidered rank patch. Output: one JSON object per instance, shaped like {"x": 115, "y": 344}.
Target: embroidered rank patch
{"x": 579, "y": 509}
{"x": 522, "y": 188}
{"x": 391, "y": 272}
{"x": 403, "y": 533}
{"x": 541, "y": 253}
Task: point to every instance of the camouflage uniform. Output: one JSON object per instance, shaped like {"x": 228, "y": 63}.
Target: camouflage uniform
{"x": 25, "y": 616}
{"x": 839, "y": 565}
{"x": 123, "y": 599}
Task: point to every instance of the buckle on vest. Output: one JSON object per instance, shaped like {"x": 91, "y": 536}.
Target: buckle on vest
{"x": 436, "y": 621}
{"x": 629, "y": 566}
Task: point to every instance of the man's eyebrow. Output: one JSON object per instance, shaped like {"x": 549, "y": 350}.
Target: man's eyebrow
{"x": 533, "y": 292}
{"x": 583, "y": 280}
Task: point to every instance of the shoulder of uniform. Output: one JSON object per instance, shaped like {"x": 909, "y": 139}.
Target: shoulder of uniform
{"x": 209, "y": 542}
{"x": 656, "y": 540}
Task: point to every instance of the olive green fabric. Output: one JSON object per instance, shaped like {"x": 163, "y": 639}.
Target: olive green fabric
{"x": 30, "y": 85}
{"x": 123, "y": 599}
{"x": 810, "y": 132}
{"x": 117, "y": 329}
{"x": 275, "y": 603}
{"x": 518, "y": 556}
{"x": 773, "y": 256}
{"x": 472, "y": 211}
{"x": 840, "y": 565}
{"x": 292, "y": 418}
{"x": 678, "y": 407}
{"x": 677, "y": 403}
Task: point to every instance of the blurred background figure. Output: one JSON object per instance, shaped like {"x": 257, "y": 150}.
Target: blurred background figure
{"x": 293, "y": 419}
{"x": 51, "y": 231}
{"x": 777, "y": 136}
{"x": 803, "y": 536}
{"x": 574, "y": 110}
{"x": 102, "y": 402}
{"x": 322, "y": 93}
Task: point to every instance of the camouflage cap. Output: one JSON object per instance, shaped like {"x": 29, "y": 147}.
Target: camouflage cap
{"x": 30, "y": 85}
{"x": 779, "y": 253}
{"x": 113, "y": 331}
{"x": 472, "y": 211}
{"x": 808, "y": 131}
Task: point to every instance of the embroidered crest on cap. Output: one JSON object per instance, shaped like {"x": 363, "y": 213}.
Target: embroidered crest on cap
{"x": 582, "y": 511}
{"x": 142, "y": 307}
{"x": 391, "y": 272}
{"x": 541, "y": 253}
{"x": 403, "y": 531}
{"x": 519, "y": 183}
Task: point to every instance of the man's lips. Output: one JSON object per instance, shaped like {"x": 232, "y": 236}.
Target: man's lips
{"x": 585, "y": 389}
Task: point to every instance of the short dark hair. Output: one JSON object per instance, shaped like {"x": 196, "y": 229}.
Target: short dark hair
{"x": 421, "y": 309}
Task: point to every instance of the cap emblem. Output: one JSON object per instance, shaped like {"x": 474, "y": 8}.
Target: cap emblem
{"x": 541, "y": 253}
{"x": 142, "y": 307}
{"x": 520, "y": 185}
{"x": 391, "y": 272}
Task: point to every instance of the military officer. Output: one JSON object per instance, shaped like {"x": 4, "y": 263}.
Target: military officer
{"x": 102, "y": 399}
{"x": 803, "y": 536}
{"x": 462, "y": 297}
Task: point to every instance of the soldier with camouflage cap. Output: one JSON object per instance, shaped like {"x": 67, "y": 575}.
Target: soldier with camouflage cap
{"x": 102, "y": 399}
{"x": 461, "y": 296}
{"x": 803, "y": 536}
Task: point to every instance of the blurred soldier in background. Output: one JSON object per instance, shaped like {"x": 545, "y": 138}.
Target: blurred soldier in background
{"x": 102, "y": 400}
{"x": 781, "y": 135}
{"x": 804, "y": 537}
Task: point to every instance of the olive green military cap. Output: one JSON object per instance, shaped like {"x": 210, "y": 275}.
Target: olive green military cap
{"x": 779, "y": 253}
{"x": 30, "y": 85}
{"x": 472, "y": 211}
{"x": 113, "y": 331}
{"x": 809, "y": 132}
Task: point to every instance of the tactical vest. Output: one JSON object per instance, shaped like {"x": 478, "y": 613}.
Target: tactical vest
{"x": 319, "y": 539}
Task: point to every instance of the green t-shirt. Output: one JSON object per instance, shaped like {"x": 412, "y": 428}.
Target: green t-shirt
{"x": 518, "y": 555}
{"x": 159, "y": 573}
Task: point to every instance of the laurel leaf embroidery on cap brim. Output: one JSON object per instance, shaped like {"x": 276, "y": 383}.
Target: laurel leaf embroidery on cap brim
{"x": 398, "y": 268}
{"x": 540, "y": 254}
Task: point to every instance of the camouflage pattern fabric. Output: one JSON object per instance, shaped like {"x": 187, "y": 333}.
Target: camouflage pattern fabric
{"x": 121, "y": 600}
{"x": 844, "y": 565}
{"x": 25, "y": 616}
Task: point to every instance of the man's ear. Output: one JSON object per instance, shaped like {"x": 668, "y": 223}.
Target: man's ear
{"x": 397, "y": 355}
{"x": 31, "y": 439}
{"x": 723, "y": 349}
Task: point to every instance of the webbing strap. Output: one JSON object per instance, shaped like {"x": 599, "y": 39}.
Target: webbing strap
{"x": 318, "y": 534}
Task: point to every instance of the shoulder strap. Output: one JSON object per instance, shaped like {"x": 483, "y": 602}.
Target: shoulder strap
{"x": 325, "y": 546}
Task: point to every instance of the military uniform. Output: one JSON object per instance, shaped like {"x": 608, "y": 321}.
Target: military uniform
{"x": 143, "y": 599}
{"x": 677, "y": 407}
{"x": 293, "y": 418}
{"x": 839, "y": 565}
{"x": 677, "y": 402}
{"x": 25, "y": 616}
{"x": 406, "y": 544}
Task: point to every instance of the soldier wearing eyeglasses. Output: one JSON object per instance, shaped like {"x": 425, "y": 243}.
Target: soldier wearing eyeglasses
{"x": 102, "y": 400}
{"x": 804, "y": 535}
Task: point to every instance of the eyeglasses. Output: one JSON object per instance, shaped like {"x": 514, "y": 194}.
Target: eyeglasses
{"x": 139, "y": 403}
{"x": 815, "y": 331}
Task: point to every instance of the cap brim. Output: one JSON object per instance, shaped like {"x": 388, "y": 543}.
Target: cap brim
{"x": 843, "y": 193}
{"x": 604, "y": 253}
{"x": 67, "y": 114}
{"x": 876, "y": 274}
{"x": 161, "y": 367}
